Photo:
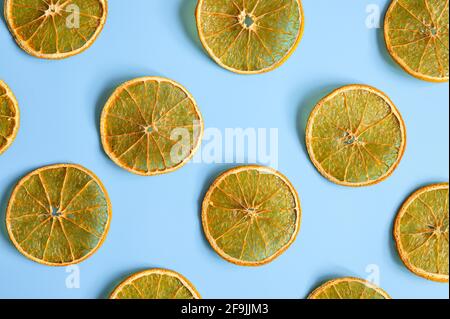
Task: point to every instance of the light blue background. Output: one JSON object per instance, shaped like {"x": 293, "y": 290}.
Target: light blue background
{"x": 156, "y": 220}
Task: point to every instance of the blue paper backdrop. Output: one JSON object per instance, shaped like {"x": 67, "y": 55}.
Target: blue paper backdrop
{"x": 345, "y": 232}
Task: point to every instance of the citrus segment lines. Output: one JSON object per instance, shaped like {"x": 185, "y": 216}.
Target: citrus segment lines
{"x": 58, "y": 215}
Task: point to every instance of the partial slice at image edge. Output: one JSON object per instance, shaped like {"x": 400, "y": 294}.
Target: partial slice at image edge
{"x": 348, "y": 288}
{"x": 155, "y": 284}
{"x": 9, "y": 117}
{"x": 421, "y": 232}
{"x": 416, "y": 37}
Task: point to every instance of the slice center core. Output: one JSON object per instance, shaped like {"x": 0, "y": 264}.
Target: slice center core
{"x": 150, "y": 129}
{"x": 350, "y": 138}
{"x": 252, "y": 212}
{"x": 55, "y": 212}
{"x": 52, "y": 10}
{"x": 433, "y": 31}
{"x": 247, "y": 20}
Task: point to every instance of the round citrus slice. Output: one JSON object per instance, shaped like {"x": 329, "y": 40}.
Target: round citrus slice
{"x": 58, "y": 215}
{"x": 9, "y": 117}
{"x": 349, "y": 288}
{"x": 416, "y": 33}
{"x": 421, "y": 232}
{"x": 250, "y": 36}
{"x": 151, "y": 126}
{"x": 355, "y": 136}
{"x": 55, "y": 29}
{"x": 155, "y": 284}
{"x": 251, "y": 215}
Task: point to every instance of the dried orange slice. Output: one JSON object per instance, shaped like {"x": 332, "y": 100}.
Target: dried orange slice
{"x": 251, "y": 215}
{"x": 421, "y": 232}
{"x": 349, "y": 288}
{"x": 55, "y": 29}
{"x": 250, "y": 36}
{"x": 9, "y": 117}
{"x": 58, "y": 215}
{"x": 155, "y": 284}
{"x": 151, "y": 126}
{"x": 416, "y": 33}
{"x": 356, "y": 136}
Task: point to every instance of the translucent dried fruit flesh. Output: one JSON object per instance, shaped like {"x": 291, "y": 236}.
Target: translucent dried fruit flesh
{"x": 151, "y": 126}
{"x": 251, "y": 215}
{"x": 55, "y": 29}
{"x": 9, "y": 117}
{"x": 355, "y": 136}
{"x": 416, "y": 33}
{"x": 421, "y": 232}
{"x": 250, "y": 36}
{"x": 349, "y": 288}
{"x": 58, "y": 215}
{"x": 155, "y": 284}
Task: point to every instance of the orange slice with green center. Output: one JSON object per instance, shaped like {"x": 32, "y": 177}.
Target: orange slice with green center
{"x": 155, "y": 284}
{"x": 251, "y": 215}
{"x": 421, "y": 232}
{"x": 416, "y": 33}
{"x": 349, "y": 288}
{"x": 250, "y": 36}
{"x": 55, "y": 29}
{"x": 9, "y": 117}
{"x": 58, "y": 215}
{"x": 151, "y": 126}
{"x": 356, "y": 136}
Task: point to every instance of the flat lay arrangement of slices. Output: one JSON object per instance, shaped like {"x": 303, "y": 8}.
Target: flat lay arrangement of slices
{"x": 60, "y": 215}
